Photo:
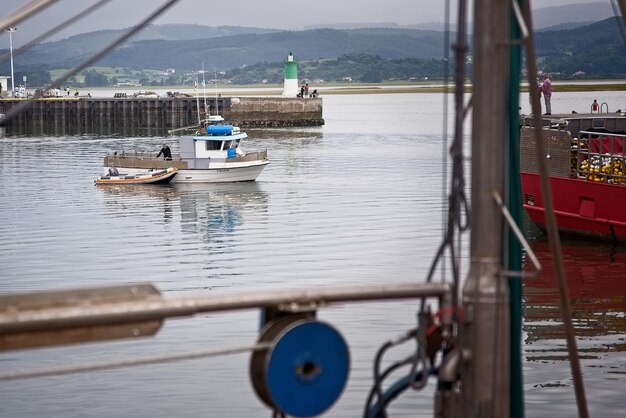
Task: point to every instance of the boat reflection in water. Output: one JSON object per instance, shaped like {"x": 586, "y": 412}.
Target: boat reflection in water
{"x": 596, "y": 278}
{"x": 207, "y": 211}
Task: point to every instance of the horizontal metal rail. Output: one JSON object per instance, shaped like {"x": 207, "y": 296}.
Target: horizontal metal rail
{"x": 142, "y": 302}
{"x": 144, "y": 160}
{"x": 148, "y": 160}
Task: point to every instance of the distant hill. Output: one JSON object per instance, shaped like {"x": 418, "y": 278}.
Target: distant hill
{"x": 595, "y": 49}
{"x": 564, "y": 26}
{"x": 254, "y": 55}
{"x": 544, "y": 17}
{"x": 231, "y": 51}
{"x": 69, "y": 51}
{"x": 185, "y": 47}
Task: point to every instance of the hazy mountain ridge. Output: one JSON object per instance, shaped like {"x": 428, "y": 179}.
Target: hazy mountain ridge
{"x": 594, "y": 49}
{"x": 574, "y": 13}
{"x": 230, "y": 51}
{"x": 75, "y": 48}
{"x": 565, "y": 48}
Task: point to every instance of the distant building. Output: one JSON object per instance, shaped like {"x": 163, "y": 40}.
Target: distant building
{"x": 579, "y": 73}
{"x": 347, "y": 79}
{"x": 5, "y": 84}
{"x": 170, "y": 71}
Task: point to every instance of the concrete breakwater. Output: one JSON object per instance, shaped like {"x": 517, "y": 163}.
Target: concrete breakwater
{"x": 154, "y": 116}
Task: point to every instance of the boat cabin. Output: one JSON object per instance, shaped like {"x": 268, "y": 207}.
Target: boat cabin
{"x": 220, "y": 142}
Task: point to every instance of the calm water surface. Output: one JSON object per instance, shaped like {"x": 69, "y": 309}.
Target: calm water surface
{"x": 356, "y": 201}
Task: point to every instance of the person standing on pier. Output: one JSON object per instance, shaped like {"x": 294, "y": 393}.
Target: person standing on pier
{"x": 546, "y": 89}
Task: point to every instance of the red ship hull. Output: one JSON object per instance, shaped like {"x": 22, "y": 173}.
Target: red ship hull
{"x": 591, "y": 209}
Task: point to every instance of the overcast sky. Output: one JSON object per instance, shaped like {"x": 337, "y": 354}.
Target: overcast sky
{"x": 276, "y": 14}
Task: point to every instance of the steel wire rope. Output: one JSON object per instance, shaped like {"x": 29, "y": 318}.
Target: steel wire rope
{"x": 94, "y": 58}
{"x": 24, "y": 13}
{"x": 457, "y": 204}
{"x": 619, "y": 19}
{"x": 444, "y": 151}
{"x": 457, "y": 199}
{"x": 52, "y": 31}
{"x": 550, "y": 220}
{"x": 622, "y": 6}
{"x": 58, "y": 371}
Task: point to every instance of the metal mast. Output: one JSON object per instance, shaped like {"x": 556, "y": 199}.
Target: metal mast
{"x": 485, "y": 332}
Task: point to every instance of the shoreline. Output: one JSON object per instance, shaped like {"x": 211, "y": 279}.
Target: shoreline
{"x": 276, "y": 90}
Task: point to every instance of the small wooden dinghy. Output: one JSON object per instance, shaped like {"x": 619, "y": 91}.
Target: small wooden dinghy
{"x": 152, "y": 177}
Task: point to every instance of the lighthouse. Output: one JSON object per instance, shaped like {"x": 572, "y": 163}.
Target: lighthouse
{"x": 290, "y": 88}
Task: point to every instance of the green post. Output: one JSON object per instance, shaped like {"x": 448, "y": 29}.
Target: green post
{"x": 514, "y": 204}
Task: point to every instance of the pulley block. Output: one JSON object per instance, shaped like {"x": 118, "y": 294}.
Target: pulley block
{"x": 305, "y": 369}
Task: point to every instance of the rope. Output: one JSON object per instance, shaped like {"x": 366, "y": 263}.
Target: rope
{"x": 89, "y": 61}
{"x": 58, "y": 371}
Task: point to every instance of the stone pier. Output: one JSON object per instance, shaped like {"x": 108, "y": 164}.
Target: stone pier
{"x": 155, "y": 116}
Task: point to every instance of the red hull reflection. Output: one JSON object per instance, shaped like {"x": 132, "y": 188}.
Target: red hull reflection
{"x": 596, "y": 278}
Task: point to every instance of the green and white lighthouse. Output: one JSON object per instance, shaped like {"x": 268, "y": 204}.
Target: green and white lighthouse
{"x": 290, "y": 88}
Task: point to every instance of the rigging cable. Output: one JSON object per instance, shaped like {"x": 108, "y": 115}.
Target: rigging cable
{"x": 457, "y": 204}
{"x": 117, "y": 42}
{"x": 58, "y": 371}
{"x": 444, "y": 151}
{"x": 24, "y": 13}
{"x": 457, "y": 200}
{"x": 550, "y": 220}
{"x": 622, "y": 5}
{"x": 620, "y": 18}
{"x": 54, "y": 30}
{"x": 379, "y": 377}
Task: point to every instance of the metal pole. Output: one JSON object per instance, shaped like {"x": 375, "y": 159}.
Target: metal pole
{"x": 11, "y": 30}
{"x": 134, "y": 303}
{"x": 485, "y": 332}
{"x": 514, "y": 256}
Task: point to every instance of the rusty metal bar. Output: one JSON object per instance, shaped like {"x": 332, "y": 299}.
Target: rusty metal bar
{"x": 143, "y": 302}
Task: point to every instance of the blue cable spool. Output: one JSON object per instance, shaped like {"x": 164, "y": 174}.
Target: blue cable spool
{"x": 305, "y": 370}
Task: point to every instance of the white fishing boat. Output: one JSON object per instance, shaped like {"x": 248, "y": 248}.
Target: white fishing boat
{"x": 156, "y": 176}
{"x": 213, "y": 155}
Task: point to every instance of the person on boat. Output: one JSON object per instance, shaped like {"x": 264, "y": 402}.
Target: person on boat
{"x": 166, "y": 152}
{"x": 546, "y": 89}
